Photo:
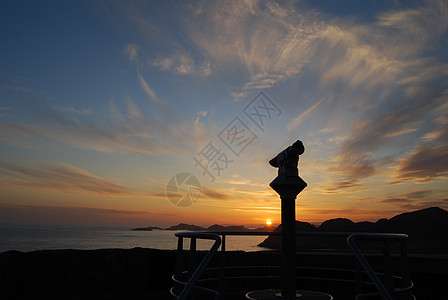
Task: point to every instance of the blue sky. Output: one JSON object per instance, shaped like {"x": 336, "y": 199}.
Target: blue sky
{"x": 102, "y": 102}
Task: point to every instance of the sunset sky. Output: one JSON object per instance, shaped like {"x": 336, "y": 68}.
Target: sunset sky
{"x": 103, "y": 102}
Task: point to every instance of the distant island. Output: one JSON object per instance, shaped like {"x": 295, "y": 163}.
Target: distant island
{"x": 215, "y": 227}
{"x": 149, "y": 228}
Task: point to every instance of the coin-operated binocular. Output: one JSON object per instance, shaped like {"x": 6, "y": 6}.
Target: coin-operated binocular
{"x": 288, "y": 183}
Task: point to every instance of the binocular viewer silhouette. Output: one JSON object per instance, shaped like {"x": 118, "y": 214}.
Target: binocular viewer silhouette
{"x": 289, "y": 157}
{"x": 288, "y": 182}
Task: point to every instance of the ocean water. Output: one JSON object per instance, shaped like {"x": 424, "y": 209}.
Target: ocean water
{"x": 29, "y": 238}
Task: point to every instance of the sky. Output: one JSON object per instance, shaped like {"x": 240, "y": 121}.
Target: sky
{"x": 153, "y": 113}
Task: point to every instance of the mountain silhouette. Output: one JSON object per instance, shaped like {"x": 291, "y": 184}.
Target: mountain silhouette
{"x": 189, "y": 227}
{"x": 429, "y": 223}
{"x": 215, "y": 227}
{"x": 427, "y": 230}
{"x": 339, "y": 224}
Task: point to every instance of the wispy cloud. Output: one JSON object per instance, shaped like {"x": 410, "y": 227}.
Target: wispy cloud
{"x": 425, "y": 164}
{"x": 277, "y": 42}
{"x": 299, "y": 119}
{"x": 342, "y": 186}
{"x": 257, "y": 208}
{"x": 80, "y": 209}
{"x": 417, "y": 199}
{"x": 83, "y": 216}
{"x": 132, "y": 132}
{"x": 353, "y": 213}
{"x": 60, "y": 177}
{"x": 145, "y": 86}
{"x": 357, "y": 156}
{"x": 131, "y": 51}
{"x": 214, "y": 194}
{"x": 417, "y": 26}
{"x": 3, "y": 109}
{"x": 271, "y": 41}
{"x": 71, "y": 109}
{"x": 416, "y": 93}
{"x": 182, "y": 63}
{"x": 240, "y": 180}
{"x": 352, "y": 168}
{"x": 18, "y": 87}
{"x": 407, "y": 198}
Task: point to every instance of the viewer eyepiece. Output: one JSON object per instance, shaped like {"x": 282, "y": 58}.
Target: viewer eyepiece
{"x": 290, "y": 153}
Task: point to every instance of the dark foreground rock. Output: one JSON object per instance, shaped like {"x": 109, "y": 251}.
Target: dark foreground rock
{"x": 146, "y": 273}
{"x": 86, "y": 274}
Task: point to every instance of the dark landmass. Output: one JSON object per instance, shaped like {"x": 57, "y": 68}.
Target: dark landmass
{"x": 188, "y": 227}
{"x": 149, "y": 228}
{"x": 216, "y": 227}
{"x": 427, "y": 230}
{"x": 238, "y": 228}
{"x": 146, "y": 273}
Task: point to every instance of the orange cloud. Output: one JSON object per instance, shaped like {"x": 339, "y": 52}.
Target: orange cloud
{"x": 35, "y": 214}
{"x": 213, "y": 194}
{"x": 62, "y": 177}
{"x": 425, "y": 164}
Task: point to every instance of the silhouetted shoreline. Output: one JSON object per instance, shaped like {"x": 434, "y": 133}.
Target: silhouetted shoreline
{"x": 427, "y": 229}
{"x": 146, "y": 273}
{"x": 215, "y": 227}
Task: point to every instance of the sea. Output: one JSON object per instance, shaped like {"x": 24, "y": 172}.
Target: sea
{"x": 28, "y": 238}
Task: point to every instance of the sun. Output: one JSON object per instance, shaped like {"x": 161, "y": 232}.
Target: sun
{"x": 268, "y": 222}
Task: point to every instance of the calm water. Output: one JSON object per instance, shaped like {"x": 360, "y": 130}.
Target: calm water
{"x": 30, "y": 238}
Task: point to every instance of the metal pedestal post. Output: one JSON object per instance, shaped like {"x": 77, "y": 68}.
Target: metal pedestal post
{"x": 288, "y": 248}
{"x": 288, "y": 185}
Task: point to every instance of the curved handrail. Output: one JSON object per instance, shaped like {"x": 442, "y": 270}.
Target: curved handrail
{"x": 195, "y": 286}
{"x": 194, "y": 278}
{"x": 351, "y": 237}
{"x": 351, "y": 240}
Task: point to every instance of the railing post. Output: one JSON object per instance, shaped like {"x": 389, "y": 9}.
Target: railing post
{"x": 179, "y": 254}
{"x": 179, "y": 263}
{"x": 193, "y": 278}
{"x": 192, "y": 261}
{"x": 406, "y": 280}
{"x": 358, "y": 277}
{"x": 385, "y": 286}
{"x": 388, "y": 280}
{"x": 351, "y": 240}
{"x": 222, "y": 270}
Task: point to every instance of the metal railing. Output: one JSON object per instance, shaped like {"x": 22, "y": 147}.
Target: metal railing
{"x": 386, "y": 290}
{"x": 200, "y": 269}
{"x": 185, "y": 281}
